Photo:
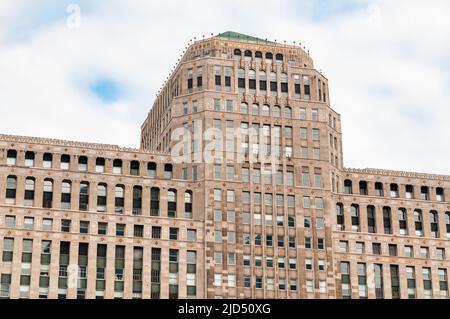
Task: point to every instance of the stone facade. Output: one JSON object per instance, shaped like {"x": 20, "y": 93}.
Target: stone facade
{"x": 80, "y": 220}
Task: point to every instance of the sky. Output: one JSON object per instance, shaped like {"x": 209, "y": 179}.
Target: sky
{"x": 89, "y": 70}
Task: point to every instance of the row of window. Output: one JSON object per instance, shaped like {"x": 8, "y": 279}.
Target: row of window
{"x": 378, "y": 282}
{"x": 402, "y": 217}
{"x": 101, "y": 194}
{"x": 82, "y": 164}
{"x": 248, "y": 55}
{"x": 392, "y": 250}
{"x": 393, "y": 191}
{"x": 85, "y": 227}
{"x": 67, "y": 272}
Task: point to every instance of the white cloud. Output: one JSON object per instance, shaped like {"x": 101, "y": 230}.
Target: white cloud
{"x": 387, "y": 62}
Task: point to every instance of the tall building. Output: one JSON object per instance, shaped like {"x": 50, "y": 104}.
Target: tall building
{"x": 237, "y": 191}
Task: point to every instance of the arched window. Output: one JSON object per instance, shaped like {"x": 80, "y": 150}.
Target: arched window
{"x": 154, "y": 201}
{"x": 379, "y": 189}
{"x": 65, "y": 161}
{"x": 276, "y": 111}
{"x": 348, "y": 187}
{"x": 82, "y": 163}
{"x": 119, "y": 200}
{"x": 354, "y": 211}
{"x": 340, "y": 216}
{"x": 137, "y": 200}
{"x": 151, "y": 169}
{"x": 266, "y": 110}
{"x": 11, "y": 190}
{"x": 287, "y": 112}
{"x": 258, "y": 55}
{"x": 434, "y": 224}
{"x": 418, "y": 222}
{"x": 371, "y": 219}
{"x": 134, "y": 168}
{"x": 66, "y": 194}
{"x": 244, "y": 108}
{"x": 188, "y": 204}
{"x": 101, "y": 197}
{"x": 424, "y": 193}
{"x": 47, "y": 160}
{"x": 409, "y": 191}
{"x": 440, "y": 194}
{"x": 269, "y": 57}
{"x": 11, "y": 157}
{"x": 402, "y": 221}
{"x": 47, "y": 195}
{"x": 363, "y": 188}
{"x": 387, "y": 220}
{"x": 100, "y": 165}
{"x": 168, "y": 174}
{"x": 237, "y": 54}
{"x": 255, "y": 109}
{"x": 394, "y": 190}
{"x": 84, "y": 196}
{"x": 117, "y": 166}
{"x": 248, "y": 55}
{"x": 447, "y": 223}
{"x": 279, "y": 57}
{"x": 29, "y": 159}
{"x": 29, "y": 191}
{"x": 172, "y": 203}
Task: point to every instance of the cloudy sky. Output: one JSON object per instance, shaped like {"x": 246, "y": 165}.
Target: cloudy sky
{"x": 94, "y": 78}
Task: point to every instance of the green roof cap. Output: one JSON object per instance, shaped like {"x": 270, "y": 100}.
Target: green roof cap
{"x": 240, "y": 36}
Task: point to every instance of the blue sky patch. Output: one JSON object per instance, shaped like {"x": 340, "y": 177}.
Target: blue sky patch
{"x": 106, "y": 90}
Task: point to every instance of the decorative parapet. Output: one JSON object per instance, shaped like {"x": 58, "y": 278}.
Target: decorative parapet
{"x": 57, "y": 142}
{"x": 376, "y": 171}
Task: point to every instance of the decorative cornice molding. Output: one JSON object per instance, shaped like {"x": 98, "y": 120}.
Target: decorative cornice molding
{"x": 376, "y": 171}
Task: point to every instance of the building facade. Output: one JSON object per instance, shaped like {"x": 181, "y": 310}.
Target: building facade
{"x": 237, "y": 191}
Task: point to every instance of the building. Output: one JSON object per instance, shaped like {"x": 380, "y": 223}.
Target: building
{"x": 271, "y": 212}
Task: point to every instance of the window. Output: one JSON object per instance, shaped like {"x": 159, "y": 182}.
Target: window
{"x": 84, "y": 196}
{"x": 340, "y": 216}
{"x": 10, "y": 221}
{"x": 354, "y": 210}
{"x": 315, "y": 134}
{"x": 102, "y": 228}
{"x": 11, "y": 190}
{"x": 376, "y": 248}
{"x": 138, "y": 231}
{"x": 418, "y": 222}
{"x": 173, "y": 233}
{"x": 29, "y": 191}
{"x": 424, "y": 193}
{"x": 100, "y": 165}
{"x": 47, "y": 160}
{"x": 392, "y": 250}
{"x": 137, "y": 200}
{"x": 47, "y": 195}
{"x": 434, "y": 226}
{"x": 308, "y": 242}
{"x": 156, "y": 232}
{"x": 134, "y": 168}
{"x": 394, "y": 190}
{"x": 276, "y": 111}
{"x": 117, "y": 166}
{"x": 378, "y": 189}
{"x": 440, "y": 253}
{"x": 424, "y": 252}
{"x": 82, "y": 163}
{"x": 348, "y": 187}
{"x": 343, "y": 246}
{"x": 120, "y": 229}
{"x": 320, "y": 243}
{"x": 315, "y": 115}
{"x": 29, "y": 159}
{"x": 371, "y": 221}
{"x": 303, "y": 133}
{"x": 101, "y": 197}
{"x": 47, "y": 224}
{"x": 409, "y": 252}
{"x": 409, "y": 192}
{"x": 65, "y": 162}
{"x": 387, "y": 220}
{"x": 402, "y": 221}
{"x": 440, "y": 194}
{"x": 172, "y": 203}
{"x": 65, "y": 225}
{"x": 345, "y": 280}
{"x": 360, "y": 247}
{"x": 84, "y": 227}
{"x": 11, "y": 157}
